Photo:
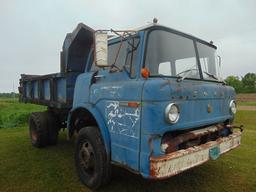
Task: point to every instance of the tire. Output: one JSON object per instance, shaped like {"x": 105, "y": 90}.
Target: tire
{"x": 92, "y": 163}
{"x": 53, "y": 128}
{"x": 38, "y": 129}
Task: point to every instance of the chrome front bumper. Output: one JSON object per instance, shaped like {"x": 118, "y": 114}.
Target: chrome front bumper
{"x": 179, "y": 161}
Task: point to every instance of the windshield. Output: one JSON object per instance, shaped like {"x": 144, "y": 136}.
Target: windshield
{"x": 173, "y": 55}
{"x": 207, "y": 57}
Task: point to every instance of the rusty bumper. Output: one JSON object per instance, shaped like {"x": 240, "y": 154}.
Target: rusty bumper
{"x": 178, "y": 161}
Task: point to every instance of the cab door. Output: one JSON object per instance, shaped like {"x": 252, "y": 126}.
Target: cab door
{"x": 117, "y": 94}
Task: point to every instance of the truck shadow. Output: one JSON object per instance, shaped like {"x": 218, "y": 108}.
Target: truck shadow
{"x": 196, "y": 179}
{"x": 201, "y": 178}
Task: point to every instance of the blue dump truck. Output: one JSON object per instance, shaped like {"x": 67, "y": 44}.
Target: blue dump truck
{"x": 150, "y": 100}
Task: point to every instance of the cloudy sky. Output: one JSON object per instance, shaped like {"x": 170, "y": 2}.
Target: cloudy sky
{"x": 32, "y": 31}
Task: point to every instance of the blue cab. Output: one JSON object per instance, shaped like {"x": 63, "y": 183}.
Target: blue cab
{"x": 151, "y": 100}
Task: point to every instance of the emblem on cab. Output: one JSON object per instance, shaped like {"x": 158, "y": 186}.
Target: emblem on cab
{"x": 209, "y": 108}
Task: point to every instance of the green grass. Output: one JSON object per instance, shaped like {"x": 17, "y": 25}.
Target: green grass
{"x": 25, "y": 168}
{"x": 13, "y": 113}
{"x": 247, "y": 103}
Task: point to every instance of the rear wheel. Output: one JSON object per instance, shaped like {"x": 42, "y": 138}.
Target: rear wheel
{"x": 38, "y": 129}
{"x": 93, "y": 166}
{"x": 43, "y": 128}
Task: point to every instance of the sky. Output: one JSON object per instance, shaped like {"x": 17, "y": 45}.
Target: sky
{"x": 32, "y": 31}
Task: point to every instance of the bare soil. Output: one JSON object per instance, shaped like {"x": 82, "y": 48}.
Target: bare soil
{"x": 247, "y": 108}
{"x": 246, "y": 97}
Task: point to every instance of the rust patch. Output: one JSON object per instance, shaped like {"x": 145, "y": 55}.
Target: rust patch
{"x": 150, "y": 143}
{"x": 191, "y": 135}
{"x": 182, "y": 152}
{"x": 178, "y": 161}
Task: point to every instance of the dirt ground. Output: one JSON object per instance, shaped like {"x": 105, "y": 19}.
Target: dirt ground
{"x": 246, "y": 97}
{"x": 245, "y": 101}
{"x": 247, "y": 108}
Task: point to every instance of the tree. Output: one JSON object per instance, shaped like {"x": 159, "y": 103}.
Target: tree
{"x": 235, "y": 82}
{"x": 249, "y": 82}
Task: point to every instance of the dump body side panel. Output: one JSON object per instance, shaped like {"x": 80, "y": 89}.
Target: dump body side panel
{"x": 53, "y": 90}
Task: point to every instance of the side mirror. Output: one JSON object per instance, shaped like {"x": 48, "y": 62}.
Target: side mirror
{"x": 101, "y": 48}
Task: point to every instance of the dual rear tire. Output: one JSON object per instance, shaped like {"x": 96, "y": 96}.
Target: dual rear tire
{"x": 43, "y": 129}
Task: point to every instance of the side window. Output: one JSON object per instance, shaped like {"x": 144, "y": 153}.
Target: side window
{"x": 114, "y": 57}
{"x": 127, "y": 54}
{"x": 207, "y": 57}
{"x": 132, "y": 46}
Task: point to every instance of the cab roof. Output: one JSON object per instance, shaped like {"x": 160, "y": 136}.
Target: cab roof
{"x": 154, "y": 26}
{"x": 162, "y": 27}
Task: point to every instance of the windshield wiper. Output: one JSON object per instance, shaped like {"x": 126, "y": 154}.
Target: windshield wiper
{"x": 187, "y": 72}
{"x": 158, "y": 75}
{"x": 211, "y": 75}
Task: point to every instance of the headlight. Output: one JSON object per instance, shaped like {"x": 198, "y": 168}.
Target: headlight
{"x": 232, "y": 107}
{"x": 172, "y": 113}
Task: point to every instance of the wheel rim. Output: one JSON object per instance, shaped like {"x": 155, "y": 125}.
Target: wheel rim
{"x": 34, "y": 135}
{"x": 87, "y": 158}
{"x": 33, "y": 131}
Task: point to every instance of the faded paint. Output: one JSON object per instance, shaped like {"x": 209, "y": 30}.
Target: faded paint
{"x": 122, "y": 120}
{"x": 176, "y": 162}
{"x": 129, "y": 140}
{"x": 112, "y": 91}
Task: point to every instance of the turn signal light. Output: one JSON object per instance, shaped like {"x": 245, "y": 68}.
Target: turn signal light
{"x": 133, "y": 104}
{"x": 145, "y": 72}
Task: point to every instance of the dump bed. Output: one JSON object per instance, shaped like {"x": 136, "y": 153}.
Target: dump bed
{"x": 56, "y": 90}
{"x": 53, "y": 90}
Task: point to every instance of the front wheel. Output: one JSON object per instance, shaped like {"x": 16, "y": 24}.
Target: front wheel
{"x": 92, "y": 164}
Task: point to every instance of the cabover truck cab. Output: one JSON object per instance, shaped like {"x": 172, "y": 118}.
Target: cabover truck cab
{"x": 151, "y": 100}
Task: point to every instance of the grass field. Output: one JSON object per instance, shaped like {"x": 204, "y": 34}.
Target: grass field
{"x": 13, "y": 113}
{"x": 246, "y": 97}
{"x": 25, "y": 168}
{"x": 247, "y": 103}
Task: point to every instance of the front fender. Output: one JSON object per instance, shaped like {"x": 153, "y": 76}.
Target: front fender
{"x": 100, "y": 122}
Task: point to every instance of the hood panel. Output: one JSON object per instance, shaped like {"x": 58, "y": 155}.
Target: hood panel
{"x": 166, "y": 89}
{"x": 201, "y": 103}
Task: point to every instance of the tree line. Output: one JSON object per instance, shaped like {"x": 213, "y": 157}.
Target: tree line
{"x": 9, "y": 95}
{"x": 246, "y": 84}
